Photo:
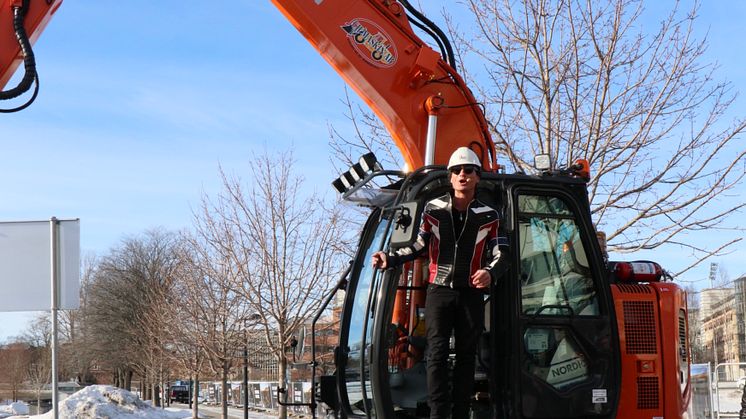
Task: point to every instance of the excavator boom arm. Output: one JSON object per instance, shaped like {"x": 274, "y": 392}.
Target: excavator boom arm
{"x": 371, "y": 44}
{"x": 36, "y": 15}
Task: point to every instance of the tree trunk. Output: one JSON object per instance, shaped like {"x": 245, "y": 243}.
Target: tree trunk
{"x": 128, "y": 380}
{"x": 195, "y": 398}
{"x": 283, "y": 367}
{"x": 154, "y": 392}
{"x": 164, "y": 389}
{"x": 224, "y": 392}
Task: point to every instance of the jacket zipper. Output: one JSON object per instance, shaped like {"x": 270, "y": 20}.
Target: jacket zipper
{"x": 455, "y": 250}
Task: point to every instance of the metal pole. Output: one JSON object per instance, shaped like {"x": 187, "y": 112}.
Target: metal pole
{"x": 432, "y": 128}
{"x": 53, "y": 227}
{"x": 245, "y": 379}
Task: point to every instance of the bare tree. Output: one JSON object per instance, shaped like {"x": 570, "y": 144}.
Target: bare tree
{"x": 77, "y": 356}
{"x": 15, "y": 358}
{"x": 189, "y": 331}
{"x": 281, "y": 243}
{"x": 369, "y": 135}
{"x": 697, "y": 347}
{"x": 213, "y": 313}
{"x": 597, "y": 80}
{"x": 128, "y": 308}
{"x": 722, "y": 278}
{"x": 38, "y": 337}
{"x": 587, "y": 79}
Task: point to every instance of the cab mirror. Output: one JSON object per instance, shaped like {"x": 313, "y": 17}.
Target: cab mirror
{"x": 406, "y": 224}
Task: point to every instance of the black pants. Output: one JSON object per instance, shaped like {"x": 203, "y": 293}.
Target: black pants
{"x": 459, "y": 310}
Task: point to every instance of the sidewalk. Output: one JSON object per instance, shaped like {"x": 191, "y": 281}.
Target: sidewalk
{"x": 214, "y": 412}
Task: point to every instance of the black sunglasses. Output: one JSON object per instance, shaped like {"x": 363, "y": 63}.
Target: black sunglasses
{"x": 468, "y": 169}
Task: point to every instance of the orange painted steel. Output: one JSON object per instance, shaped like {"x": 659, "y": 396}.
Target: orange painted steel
{"x": 370, "y": 43}
{"x": 417, "y": 303}
{"x": 37, "y": 17}
{"x": 401, "y": 302}
{"x": 409, "y": 299}
{"x": 654, "y": 356}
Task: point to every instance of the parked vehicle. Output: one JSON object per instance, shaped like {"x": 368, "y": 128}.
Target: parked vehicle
{"x": 179, "y": 394}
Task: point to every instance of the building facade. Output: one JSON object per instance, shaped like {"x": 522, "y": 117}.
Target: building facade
{"x": 723, "y": 334}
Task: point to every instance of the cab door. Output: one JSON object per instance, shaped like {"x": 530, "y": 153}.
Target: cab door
{"x": 565, "y": 350}
{"x": 356, "y": 328}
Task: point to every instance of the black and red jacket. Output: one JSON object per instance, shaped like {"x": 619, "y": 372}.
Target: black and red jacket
{"x": 456, "y": 255}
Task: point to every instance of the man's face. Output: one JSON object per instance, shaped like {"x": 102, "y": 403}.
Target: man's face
{"x": 464, "y": 178}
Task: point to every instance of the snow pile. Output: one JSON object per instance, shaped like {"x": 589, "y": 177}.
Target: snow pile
{"x": 109, "y": 402}
{"x": 12, "y": 409}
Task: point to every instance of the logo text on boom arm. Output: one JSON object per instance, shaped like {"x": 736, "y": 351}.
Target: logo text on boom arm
{"x": 371, "y": 42}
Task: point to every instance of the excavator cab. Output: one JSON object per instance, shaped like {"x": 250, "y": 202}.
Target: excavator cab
{"x": 549, "y": 347}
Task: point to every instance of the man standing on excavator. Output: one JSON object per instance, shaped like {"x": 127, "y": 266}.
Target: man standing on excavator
{"x": 459, "y": 233}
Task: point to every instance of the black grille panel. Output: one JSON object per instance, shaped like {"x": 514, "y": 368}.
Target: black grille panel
{"x": 634, "y": 288}
{"x": 682, "y": 337}
{"x": 639, "y": 327}
{"x": 647, "y": 392}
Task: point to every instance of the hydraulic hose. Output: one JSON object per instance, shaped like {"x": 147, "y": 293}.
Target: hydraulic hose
{"x": 438, "y": 35}
{"x": 29, "y": 61}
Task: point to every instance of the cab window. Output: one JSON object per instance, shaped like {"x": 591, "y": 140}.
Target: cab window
{"x": 556, "y": 278}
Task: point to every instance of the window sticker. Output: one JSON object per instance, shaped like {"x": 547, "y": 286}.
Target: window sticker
{"x": 537, "y": 342}
{"x": 539, "y": 233}
{"x": 599, "y": 396}
{"x": 568, "y": 366}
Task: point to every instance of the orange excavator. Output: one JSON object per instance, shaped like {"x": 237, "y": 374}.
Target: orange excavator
{"x": 568, "y": 333}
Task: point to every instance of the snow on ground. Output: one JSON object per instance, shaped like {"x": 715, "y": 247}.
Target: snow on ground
{"x": 108, "y": 402}
{"x": 13, "y": 409}
{"x": 114, "y": 403}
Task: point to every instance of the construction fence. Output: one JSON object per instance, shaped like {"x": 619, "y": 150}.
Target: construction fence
{"x": 261, "y": 394}
{"x": 716, "y": 393}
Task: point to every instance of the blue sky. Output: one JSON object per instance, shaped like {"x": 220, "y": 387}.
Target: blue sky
{"x": 140, "y": 102}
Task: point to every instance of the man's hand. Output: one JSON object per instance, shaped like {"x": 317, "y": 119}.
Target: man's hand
{"x": 481, "y": 278}
{"x": 379, "y": 260}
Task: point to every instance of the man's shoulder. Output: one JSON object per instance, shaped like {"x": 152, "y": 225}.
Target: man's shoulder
{"x": 441, "y": 202}
{"x": 485, "y": 212}
{"x": 482, "y": 207}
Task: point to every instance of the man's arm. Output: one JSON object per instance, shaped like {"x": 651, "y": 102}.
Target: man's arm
{"x": 497, "y": 265}
{"x": 405, "y": 254}
{"x": 498, "y": 244}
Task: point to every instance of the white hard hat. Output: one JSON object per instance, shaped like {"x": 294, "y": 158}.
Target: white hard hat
{"x": 462, "y": 156}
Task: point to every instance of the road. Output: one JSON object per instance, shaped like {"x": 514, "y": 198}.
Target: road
{"x": 214, "y": 412}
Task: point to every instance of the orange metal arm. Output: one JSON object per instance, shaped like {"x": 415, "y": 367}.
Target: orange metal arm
{"x": 38, "y": 15}
{"x": 370, "y": 43}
